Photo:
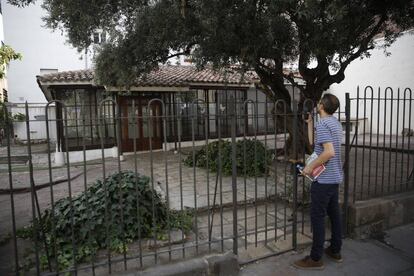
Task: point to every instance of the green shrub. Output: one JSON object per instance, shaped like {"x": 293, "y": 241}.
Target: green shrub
{"x": 6, "y": 117}
{"x": 250, "y": 154}
{"x": 97, "y": 211}
{"x": 19, "y": 117}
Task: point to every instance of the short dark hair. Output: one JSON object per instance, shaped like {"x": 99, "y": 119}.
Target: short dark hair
{"x": 330, "y": 103}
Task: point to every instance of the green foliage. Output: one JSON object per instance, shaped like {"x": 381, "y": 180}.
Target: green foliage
{"x": 25, "y": 232}
{"x": 19, "y": 117}
{"x": 7, "y": 54}
{"x": 259, "y": 35}
{"x": 108, "y": 213}
{"x": 5, "y": 239}
{"x": 251, "y": 157}
{"x": 21, "y": 3}
{"x": 6, "y": 118}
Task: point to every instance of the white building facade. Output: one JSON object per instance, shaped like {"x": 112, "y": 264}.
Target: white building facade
{"x": 41, "y": 48}
{"x": 391, "y": 78}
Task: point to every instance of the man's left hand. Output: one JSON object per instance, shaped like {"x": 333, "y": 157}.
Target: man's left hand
{"x": 307, "y": 170}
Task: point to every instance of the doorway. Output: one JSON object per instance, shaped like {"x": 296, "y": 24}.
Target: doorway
{"x": 145, "y": 121}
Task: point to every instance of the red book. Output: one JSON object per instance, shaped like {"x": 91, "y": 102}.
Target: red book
{"x": 316, "y": 171}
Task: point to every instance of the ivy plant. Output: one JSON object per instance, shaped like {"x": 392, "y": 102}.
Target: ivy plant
{"x": 109, "y": 214}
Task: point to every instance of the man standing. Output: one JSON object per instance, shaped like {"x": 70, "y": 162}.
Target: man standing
{"x": 324, "y": 190}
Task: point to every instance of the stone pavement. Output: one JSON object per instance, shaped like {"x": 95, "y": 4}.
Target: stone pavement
{"x": 190, "y": 187}
{"x": 392, "y": 256}
{"x": 269, "y": 233}
{"x": 193, "y": 187}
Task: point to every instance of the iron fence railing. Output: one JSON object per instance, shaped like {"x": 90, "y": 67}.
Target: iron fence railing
{"x": 211, "y": 194}
{"x": 382, "y": 153}
{"x": 175, "y": 185}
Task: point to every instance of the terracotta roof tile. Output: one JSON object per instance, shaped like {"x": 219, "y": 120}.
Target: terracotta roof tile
{"x": 165, "y": 75}
{"x": 67, "y": 76}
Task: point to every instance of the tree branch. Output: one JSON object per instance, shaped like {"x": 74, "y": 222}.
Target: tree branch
{"x": 186, "y": 51}
{"x": 363, "y": 47}
{"x": 364, "y": 44}
{"x": 274, "y": 79}
{"x": 307, "y": 74}
{"x": 291, "y": 79}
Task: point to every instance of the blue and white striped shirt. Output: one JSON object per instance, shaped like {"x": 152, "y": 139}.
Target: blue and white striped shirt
{"x": 329, "y": 130}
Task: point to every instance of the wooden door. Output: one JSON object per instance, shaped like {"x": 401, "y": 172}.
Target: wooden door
{"x": 142, "y": 123}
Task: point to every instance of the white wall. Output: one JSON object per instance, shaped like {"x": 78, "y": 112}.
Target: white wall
{"x": 379, "y": 71}
{"x": 77, "y": 156}
{"x": 3, "y": 82}
{"x": 40, "y": 47}
{"x": 37, "y": 123}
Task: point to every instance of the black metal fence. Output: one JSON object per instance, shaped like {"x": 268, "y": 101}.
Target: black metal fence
{"x": 381, "y": 123}
{"x": 105, "y": 210}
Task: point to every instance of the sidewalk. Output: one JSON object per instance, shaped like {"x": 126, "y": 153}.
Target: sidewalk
{"x": 393, "y": 256}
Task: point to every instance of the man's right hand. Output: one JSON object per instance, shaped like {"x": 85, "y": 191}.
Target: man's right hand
{"x": 309, "y": 119}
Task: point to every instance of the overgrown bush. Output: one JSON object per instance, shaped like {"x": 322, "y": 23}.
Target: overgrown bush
{"x": 251, "y": 156}
{"x": 95, "y": 220}
{"x": 6, "y": 117}
{"x": 19, "y": 117}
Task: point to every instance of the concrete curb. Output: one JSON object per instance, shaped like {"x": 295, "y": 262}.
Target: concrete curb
{"x": 219, "y": 264}
{"x": 369, "y": 218}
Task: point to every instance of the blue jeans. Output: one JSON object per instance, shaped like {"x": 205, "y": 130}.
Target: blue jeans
{"x": 324, "y": 200}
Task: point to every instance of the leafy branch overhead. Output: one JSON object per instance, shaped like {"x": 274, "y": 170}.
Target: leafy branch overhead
{"x": 323, "y": 37}
{"x": 7, "y": 54}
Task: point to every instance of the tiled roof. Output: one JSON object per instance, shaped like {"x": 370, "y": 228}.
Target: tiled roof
{"x": 165, "y": 75}
{"x": 67, "y": 76}
{"x": 184, "y": 75}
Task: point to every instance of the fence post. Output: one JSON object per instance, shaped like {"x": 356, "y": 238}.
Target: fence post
{"x": 32, "y": 191}
{"x": 295, "y": 176}
{"x": 8, "y": 131}
{"x": 346, "y": 165}
{"x": 234, "y": 174}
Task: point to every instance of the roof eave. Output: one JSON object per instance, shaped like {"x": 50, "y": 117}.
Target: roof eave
{"x": 149, "y": 88}
{"x": 45, "y": 90}
{"x": 65, "y": 83}
{"x": 221, "y": 84}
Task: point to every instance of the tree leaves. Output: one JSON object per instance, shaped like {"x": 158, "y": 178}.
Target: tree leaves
{"x": 263, "y": 35}
{"x": 7, "y": 54}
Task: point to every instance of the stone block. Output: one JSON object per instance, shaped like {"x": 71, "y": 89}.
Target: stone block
{"x": 370, "y": 217}
{"x": 223, "y": 265}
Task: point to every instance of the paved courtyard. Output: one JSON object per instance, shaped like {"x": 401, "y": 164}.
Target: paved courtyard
{"x": 264, "y": 221}
{"x": 191, "y": 187}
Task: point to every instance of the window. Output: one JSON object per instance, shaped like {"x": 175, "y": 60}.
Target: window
{"x": 103, "y": 37}
{"x": 99, "y": 37}
{"x": 96, "y": 38}
{"x": 81, "y": 123}
{"x": 217, "y": 104}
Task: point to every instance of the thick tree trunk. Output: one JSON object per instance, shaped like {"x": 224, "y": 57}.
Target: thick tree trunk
{"x": 285, "y": 123}
{"x": 273, "y": 85}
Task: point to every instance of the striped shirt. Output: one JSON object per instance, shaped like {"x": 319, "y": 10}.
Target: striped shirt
{"x": 329, "y": 130}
